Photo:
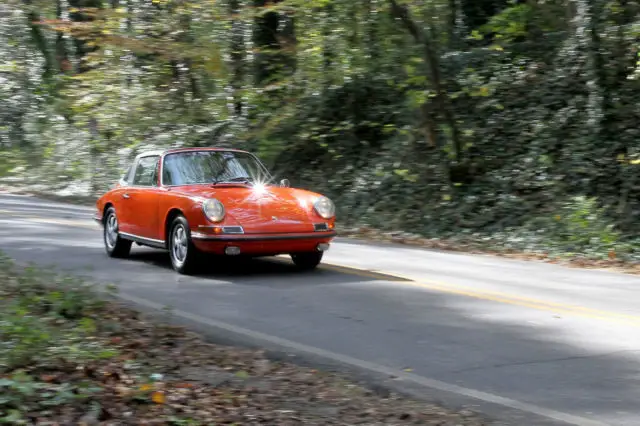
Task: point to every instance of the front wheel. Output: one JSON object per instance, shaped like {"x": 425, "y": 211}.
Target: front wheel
{"x": 184, "y": 255}
{"x": 307, "y": 261}
{"x": 114, "y": 244}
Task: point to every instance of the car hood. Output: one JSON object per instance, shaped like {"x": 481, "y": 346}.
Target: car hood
{"x": 269, "y": 210}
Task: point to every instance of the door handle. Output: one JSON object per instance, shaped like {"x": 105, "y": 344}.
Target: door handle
{"x": 125, "y": 196}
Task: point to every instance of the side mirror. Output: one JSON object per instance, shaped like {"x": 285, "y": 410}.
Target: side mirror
{"x": 285, "y": 183}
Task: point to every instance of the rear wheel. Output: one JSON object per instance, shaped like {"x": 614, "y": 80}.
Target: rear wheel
{"x": 114, "y": 244}
{"x": 307, "y": 261}
{"x": 184, "y": 255}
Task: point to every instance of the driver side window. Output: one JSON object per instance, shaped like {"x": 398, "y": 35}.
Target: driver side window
{"x": 146, "y": 172}
{"x": 126, "y": 177}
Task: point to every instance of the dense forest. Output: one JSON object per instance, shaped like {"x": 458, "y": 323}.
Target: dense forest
{"x": 510, "y": 121}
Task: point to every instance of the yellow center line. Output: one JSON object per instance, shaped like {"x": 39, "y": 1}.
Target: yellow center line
{"x": 494, "y": 296}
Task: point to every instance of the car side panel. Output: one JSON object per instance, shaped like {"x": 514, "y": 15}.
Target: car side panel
{"x": 115, "y": 198}
{"x": 170, "y": 201}
{"x": 189, "y": 205}
{"x": 144, "y": 212}
{"x": 121, "y": 200}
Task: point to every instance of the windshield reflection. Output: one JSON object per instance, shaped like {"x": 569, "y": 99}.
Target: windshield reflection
{"x": 201, "y": 167}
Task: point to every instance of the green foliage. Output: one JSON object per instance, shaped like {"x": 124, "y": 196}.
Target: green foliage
{"x": 21, "y": 394}
{"x": 584, "y": 226}
{"x": 511, "y": 23}
{"x": 48, "y": 323}
{"x": 45, "y": 317}
{"x": 444, "y": 118}
{"x": 579, "y": 227}
{"x": 174, "y": 421}
{"x": 11, "y": 162}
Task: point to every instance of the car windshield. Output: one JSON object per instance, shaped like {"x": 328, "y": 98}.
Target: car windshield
{"x": 197, "y": 167}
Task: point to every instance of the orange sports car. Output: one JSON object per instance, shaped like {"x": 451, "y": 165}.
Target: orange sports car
{"x": 196, "y": 201}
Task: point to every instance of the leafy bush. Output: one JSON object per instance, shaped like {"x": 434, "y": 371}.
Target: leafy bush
{"x": 22, "y": 393}
{"x": 47, "y": 323}
{"x": 46, "y": 317}
{"x": 584, "y": 227}
{"x": 578, "y": 227}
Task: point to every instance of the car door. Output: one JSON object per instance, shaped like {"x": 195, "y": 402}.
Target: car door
{"x": 142, "y": 200}
{"x": 121, "y": 199}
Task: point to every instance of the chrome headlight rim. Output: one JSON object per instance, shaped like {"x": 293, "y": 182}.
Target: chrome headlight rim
{"x": 213, "y": 210}
{"x": 324, "y": 207}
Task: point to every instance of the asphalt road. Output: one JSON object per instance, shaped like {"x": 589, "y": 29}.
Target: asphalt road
{"x": 527, "y": 343}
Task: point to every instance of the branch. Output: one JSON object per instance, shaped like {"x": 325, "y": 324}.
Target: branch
{"x": 402, "y": 13}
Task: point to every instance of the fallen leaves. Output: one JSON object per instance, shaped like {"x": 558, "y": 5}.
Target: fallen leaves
{"x": 48, "y": 378}
{"x": 158, "y": 397}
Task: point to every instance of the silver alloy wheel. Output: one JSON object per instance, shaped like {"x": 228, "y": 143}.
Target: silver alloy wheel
{"x": 111, "y": 231}
{"x": 179, "y": 245}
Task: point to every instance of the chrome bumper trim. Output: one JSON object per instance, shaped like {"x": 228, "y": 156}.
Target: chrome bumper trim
{"x": 276, "y": 237}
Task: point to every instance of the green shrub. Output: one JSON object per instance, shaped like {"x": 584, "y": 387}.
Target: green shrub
{"x": 46, "y": 318}
{"x": 584, "y": 227}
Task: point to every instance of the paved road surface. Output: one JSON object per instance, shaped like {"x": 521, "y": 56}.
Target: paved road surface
{"x": 527, "y": 343}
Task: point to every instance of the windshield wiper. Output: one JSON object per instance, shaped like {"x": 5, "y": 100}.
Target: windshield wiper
{"x": 239, "y": 179}
{"x": 247, "y": 179}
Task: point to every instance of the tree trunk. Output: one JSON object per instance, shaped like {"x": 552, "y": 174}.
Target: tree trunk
{"x": 327, "y": 50}
{"x": 431, "y": 59}
{"x": 80, "y": 41}
{"x": 62, "y": 56}
{"x": 371, "y": 32}
{"x": 237, "y": 56}
{"x": 265, "y": 40}
{"x": 40, "y": 41}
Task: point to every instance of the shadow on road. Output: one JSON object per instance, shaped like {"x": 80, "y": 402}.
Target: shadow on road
{"x": 245, "y": 270}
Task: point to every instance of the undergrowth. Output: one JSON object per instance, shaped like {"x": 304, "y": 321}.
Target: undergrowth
{"x": 48, "y": 323}
{"x": 577, "y": 228}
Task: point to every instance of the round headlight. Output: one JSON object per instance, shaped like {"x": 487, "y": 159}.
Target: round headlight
{"x": 213, "y": 210}
{"x": 325, "y": 207}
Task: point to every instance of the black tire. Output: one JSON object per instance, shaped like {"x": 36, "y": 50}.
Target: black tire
{"x": 184, "y": 256}
{"x": 114, "y": 244}
{"x": 307, "y": 261}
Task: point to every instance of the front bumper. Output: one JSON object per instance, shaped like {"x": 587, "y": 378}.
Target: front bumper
{"x": 262, "y": 244}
